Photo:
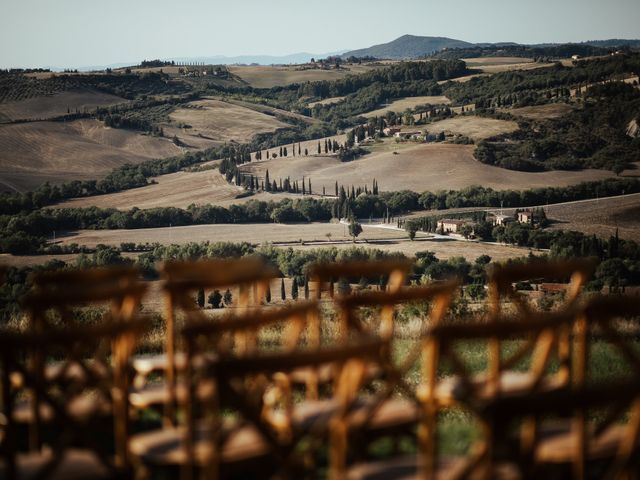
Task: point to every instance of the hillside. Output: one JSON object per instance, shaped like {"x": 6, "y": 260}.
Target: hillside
{"x": 408, "y": 46}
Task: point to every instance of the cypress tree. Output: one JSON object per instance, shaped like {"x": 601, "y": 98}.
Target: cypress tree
{"x": 309, "y": 186}
{"x": 306, "y": 288}
{"x": 283, "y": 294}
{"x": 294, "y": 288}
{"x": 300, "y": 149}
{"x": 336, "y": 188}
{"x": 267, "y": 295}
{"x": 201, "y": 297}
{"x": 319, "y": 150}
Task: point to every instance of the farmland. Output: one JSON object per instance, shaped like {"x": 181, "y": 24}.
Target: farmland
{"x": 503, "y": 64}
{"x": 273, "y": 76}
{"x": 541, "y": 112}
{"x": 599, "y": 216}
{"x": 298, "y": 236}
{"x": 474, "y": 127}
{"x": 31, "y": 153}
{"x": 209, "y": 121}
{"x": 402, "y": 104}
{"x": 417, "y": 167}
{"x": 56, "y": 105}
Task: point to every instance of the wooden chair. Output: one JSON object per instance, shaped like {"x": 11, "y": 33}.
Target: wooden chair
{"x": 538, "y": 335}
{"x": 56, "y": 303}
{"x": 181, "y": 281}
{"x": 499, "y": 374}
{"x": 74, "y": 447}
{"x": 117, "y": 286}
{"x": 612, "y": 322}
{"x": 392, "y": 273}
{"x": 242, "y": 446}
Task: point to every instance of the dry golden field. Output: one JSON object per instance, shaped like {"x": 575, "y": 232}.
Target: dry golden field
{"x": 298, "y": 236}
{"x": 327, "y": 101}
{"x": 417, "y": 167}
{"x": 266, "y": 76}
{"x": 41, "y": 108}
{"x": 31, "y": 153}
{"x": 503, "y": 64}
{"x": 214, "y": 121}
{"x": 401, "y": 104}
{"x": 275, "y": 112}
{"x": 600, "y": 216}
{"x": 541, "y": 112}
{"x": 256, "y": 233}
{"x": 472, "y": 126}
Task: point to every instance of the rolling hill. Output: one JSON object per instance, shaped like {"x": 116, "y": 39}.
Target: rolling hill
{"x": 408, "y": 46}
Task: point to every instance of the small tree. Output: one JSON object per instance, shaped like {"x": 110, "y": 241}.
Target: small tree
{"x": 306, "y": 288}
{"x": 355, "y": 229}
{"x": 294, "y": 288}
{"x": 267, "y": 295}
{"x": 200, "y": 298}
{"x": 215, "y": 298}
{"x": 228, "y": 297}
{"x": 283, "y": 294}
{"x": 411, "y": 231}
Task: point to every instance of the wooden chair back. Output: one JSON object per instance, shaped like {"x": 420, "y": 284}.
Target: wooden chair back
{"x": 60, "y": 291}
{"x": 501, "y": 280}
{"x": 255, "y": 387}
{"x": 183, "y": 278}
{"x": 538, "y": 335}
{"x": 391, "y": 275}
{"x": 102, "y": 353}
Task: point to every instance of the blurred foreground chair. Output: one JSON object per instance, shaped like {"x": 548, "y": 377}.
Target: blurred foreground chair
{"x": 75, "y": 443}
{"x": 56, "y": 293}
{"x": 387, "y": 275}
{"x": 182, "y": 280}
{"x": 252, "y": 382}
{"x": 610, "y": 325}
{"x": 63, "y": 302}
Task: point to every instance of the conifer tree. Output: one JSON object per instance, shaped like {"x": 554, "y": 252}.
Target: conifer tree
{"x": 309, "y": 189}
{"x": 306, "y": 288}
{"x": 283, "y": 294}
{"x": 267, "y": 295}
{"x": 200, "y": 298}
{"x": 294, "y": 288}
{"x": 306, "y": 152}
{"x": 319, "y": 150}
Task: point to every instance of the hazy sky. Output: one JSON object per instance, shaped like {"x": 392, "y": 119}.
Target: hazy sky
{"x": 74, "y": 33}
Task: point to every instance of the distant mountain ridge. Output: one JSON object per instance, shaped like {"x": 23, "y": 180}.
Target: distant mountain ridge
{"x": 408, "y": 46}
{"x": 413, "y": 46}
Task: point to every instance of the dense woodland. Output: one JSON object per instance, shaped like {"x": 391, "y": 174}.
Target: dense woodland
{"x": 594, "y": 136}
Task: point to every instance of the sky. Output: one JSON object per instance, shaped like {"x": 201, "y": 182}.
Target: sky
{"x": 80, "y": 33}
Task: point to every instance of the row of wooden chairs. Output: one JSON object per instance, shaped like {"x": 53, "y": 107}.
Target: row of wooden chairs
{"x": 238, "y": 363}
